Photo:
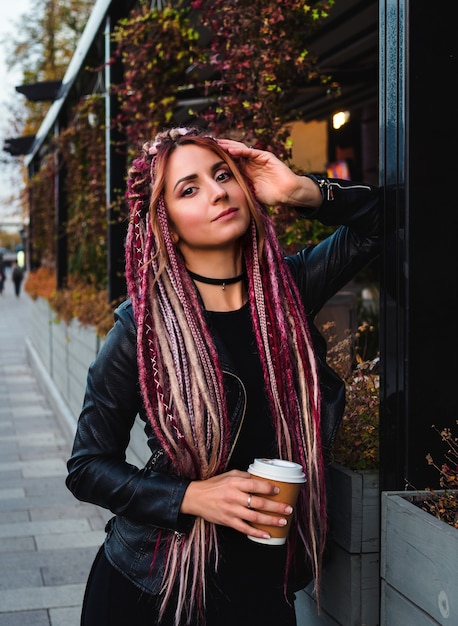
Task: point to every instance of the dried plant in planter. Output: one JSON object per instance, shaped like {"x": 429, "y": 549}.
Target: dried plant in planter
{"x": 357, "y": 442}
{"x": 443, "y": 504}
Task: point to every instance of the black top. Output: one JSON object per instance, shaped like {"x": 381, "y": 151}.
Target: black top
{"x": 257, "y": 435}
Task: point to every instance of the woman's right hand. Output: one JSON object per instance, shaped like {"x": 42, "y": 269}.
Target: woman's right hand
{"x": 233, "y": 499}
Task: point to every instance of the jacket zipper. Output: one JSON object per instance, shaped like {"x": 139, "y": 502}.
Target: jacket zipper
{"x": 154, "y": 459}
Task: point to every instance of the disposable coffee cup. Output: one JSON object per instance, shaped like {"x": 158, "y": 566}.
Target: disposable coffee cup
{"x": 288, "y": 477}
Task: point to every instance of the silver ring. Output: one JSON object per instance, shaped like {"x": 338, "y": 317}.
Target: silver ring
{"x": 248, "y": 503}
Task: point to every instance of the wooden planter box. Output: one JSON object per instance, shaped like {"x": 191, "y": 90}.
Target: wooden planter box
{"x": 419, "y": 564}
{"x": 351, "y": 575}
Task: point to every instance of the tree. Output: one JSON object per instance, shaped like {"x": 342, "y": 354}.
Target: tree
{"x": 42, "y": 49}
{"x": 44, "y": 46}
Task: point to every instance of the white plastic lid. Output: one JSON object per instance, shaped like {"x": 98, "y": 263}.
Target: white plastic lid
{"x": 277, "y": 469}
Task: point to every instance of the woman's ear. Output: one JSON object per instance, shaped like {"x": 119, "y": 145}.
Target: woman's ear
{"x": 174, "y": 236}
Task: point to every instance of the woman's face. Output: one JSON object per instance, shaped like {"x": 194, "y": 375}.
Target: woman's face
{"x": 206, "y": 206}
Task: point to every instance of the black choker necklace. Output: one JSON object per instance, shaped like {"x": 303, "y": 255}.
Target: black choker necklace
{"x": 217, "y": 281}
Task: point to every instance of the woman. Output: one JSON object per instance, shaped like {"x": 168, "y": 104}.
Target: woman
{"x": 2, "y": 274}
{"x": 214, "y": 351}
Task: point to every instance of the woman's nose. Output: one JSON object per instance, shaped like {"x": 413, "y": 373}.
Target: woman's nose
{"x": 218, "y": 193}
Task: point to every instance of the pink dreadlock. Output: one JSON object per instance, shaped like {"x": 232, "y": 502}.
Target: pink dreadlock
{"x": 180, "y": 374}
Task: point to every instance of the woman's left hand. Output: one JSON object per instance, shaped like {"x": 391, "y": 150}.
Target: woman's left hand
{"x": 274, "y": 182}
{"x": 234, "y": 499}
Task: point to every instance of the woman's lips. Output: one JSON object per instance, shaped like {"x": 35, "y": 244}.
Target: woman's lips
{"x": 226, "y": 213}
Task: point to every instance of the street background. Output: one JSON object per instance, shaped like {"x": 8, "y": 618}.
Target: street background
{"x": 47, "y": 538}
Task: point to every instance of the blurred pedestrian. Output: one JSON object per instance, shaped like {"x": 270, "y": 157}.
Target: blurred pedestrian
{"x": 2, "y": 274}
{"x": 17, "y": 275}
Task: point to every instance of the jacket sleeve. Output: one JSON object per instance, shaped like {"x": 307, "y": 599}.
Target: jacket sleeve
{"x": 320, "y": 271}
{"x": 97, "y": 469}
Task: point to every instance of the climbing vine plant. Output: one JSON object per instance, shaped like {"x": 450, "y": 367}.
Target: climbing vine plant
{"x": 41, "y": 191}
{"x": 155, "y": 48}
{"x": 80, "y": 151}
{"x": 257, "y": 50}
{"x": 81, "y": 147}
{"x": 251, "y": 56}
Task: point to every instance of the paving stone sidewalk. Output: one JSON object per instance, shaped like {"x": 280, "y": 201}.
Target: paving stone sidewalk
{"x": 47, "y": 538}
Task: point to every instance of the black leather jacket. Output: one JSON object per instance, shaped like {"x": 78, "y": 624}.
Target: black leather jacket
{"x": 146, "y": 501}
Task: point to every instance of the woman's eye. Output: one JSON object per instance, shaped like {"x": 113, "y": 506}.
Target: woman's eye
{"x": 188, "y": 191}
{"x": 223, "y": 175}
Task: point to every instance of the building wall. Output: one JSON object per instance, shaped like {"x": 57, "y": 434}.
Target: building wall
{"x": 310, "y": 145}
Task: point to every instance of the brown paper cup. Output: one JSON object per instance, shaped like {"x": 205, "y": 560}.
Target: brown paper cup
{"x": 288, "y": 477}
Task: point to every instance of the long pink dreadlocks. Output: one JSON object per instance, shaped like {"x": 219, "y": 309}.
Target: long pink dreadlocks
{"x": 180, "y": 374}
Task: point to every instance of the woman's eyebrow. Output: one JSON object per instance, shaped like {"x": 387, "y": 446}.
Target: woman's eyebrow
{"x": 184, "y": 179}
{"x": 190, "y": 177}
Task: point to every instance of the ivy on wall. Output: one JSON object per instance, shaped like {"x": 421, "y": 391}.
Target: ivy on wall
{"x": 81, "y": 147}
{"x": 41, "y": 191}
{"x": 155, "y": 47}
{"x": 258, "y": 52}
{"x": 80, "y": 151}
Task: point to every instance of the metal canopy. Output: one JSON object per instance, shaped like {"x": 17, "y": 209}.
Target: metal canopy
{"x": 18, "y": 146}
{"x": 347, "y": 47}
{"x": 39, "y": 92}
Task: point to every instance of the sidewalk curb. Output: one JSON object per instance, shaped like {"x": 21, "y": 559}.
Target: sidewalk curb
{"x": 66, "y": 418}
